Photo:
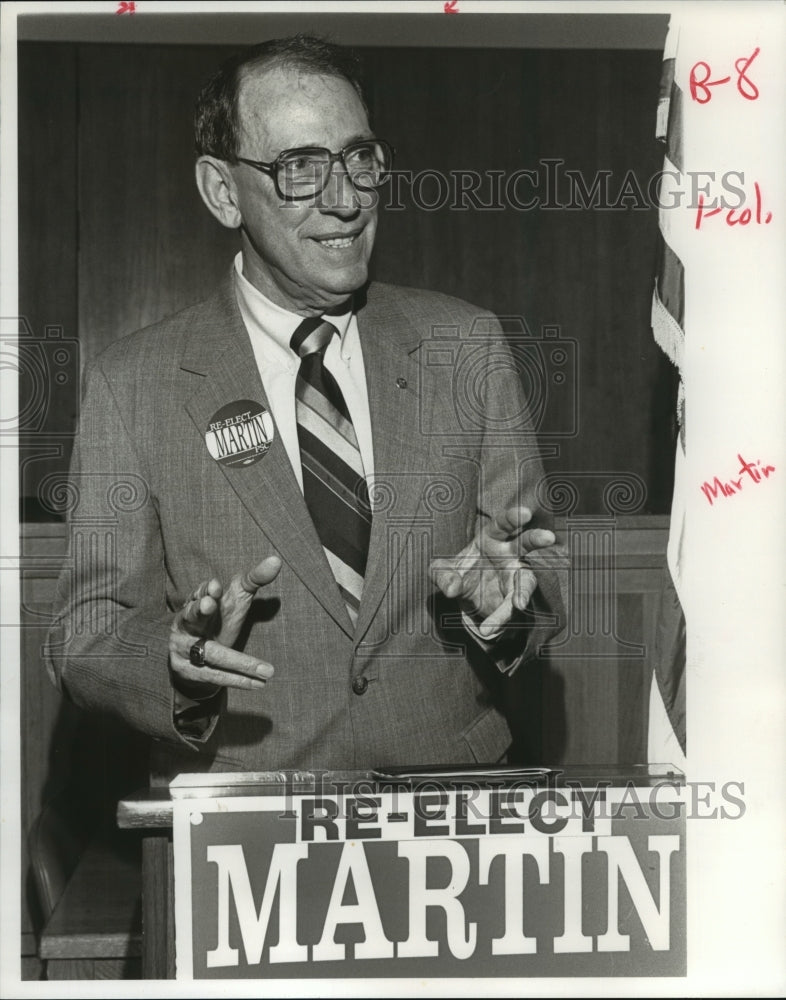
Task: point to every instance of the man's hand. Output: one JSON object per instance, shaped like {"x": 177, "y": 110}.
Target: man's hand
{"x": 490, "y": 577}
{"x": 218, "y": 614}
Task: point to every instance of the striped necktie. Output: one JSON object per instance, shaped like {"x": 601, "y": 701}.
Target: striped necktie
{"x": 334, "y": 484}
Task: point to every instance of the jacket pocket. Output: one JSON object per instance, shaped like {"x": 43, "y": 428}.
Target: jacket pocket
{"x": 488, "y": 737}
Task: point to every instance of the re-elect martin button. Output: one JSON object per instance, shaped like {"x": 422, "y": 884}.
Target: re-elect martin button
{"x": 240, "y": 433}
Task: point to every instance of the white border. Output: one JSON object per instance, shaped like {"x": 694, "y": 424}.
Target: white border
{"x": 749, "y": 852}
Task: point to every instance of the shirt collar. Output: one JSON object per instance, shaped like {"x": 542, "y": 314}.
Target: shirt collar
{"x": 272, "y": 321}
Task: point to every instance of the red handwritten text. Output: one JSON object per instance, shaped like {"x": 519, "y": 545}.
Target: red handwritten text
{"x": 126, "y": 7}
{"x": 735, "y": 216}
{"x": 746, "y": 87}
{"x": 450, "y": 7}
{"x": 717, "y": 488}
{"x": 699, "y": 80}
{"x": 700, "y": 88}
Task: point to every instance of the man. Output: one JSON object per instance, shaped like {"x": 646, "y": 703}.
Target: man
{"x": 279, "y": 464}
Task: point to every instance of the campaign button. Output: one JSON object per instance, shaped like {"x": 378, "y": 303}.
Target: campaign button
{"x": 240, "y": 433}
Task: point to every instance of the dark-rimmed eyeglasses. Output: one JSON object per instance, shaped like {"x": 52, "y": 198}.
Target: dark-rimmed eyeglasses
{"x": 304, "y": 172}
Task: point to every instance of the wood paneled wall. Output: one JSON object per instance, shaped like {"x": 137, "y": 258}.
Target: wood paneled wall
{"x": 48, "y": 260}
{"x": 87, "y": 761}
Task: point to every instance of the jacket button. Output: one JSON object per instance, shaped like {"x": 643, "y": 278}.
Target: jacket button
{"x": 359, "y": 685}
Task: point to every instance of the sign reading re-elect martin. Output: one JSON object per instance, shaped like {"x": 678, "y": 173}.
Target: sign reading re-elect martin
{"x": 441, "y": 882}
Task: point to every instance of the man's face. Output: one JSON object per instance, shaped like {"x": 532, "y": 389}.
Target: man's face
{"x": 303, "y": 255}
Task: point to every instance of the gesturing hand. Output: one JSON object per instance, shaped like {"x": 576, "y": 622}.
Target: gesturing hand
{"x": 217, "y": 614}
{"x": 490, "y": 576}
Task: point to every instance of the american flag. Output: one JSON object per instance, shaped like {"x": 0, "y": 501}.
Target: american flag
{"x": 667, "y": 729}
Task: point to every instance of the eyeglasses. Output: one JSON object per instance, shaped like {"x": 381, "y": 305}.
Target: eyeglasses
{"x": 303, "y": 173}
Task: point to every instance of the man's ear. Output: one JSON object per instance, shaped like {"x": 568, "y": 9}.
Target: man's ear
{"x": 217, "y": 189}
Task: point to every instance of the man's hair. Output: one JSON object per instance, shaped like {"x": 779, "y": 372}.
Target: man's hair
{"x": 216, "y": 123}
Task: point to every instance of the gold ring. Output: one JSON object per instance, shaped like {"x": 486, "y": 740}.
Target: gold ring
{"x": 196, "y": 655}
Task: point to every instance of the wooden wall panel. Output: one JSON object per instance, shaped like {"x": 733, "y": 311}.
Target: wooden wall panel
{"x": 46, "y": 81}
{"x": 49, "y": 366}
{"x": 594, "y": 690}
{"x": 589, "y": 272}
{"x": 47, "y": 720}
{"x": 87, "y": 761}
{"x": 147, "y": 244}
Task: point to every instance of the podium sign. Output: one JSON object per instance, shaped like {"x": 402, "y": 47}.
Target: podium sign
{"x": 431, "y": 881}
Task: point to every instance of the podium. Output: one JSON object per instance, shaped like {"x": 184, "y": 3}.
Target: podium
{"x": 426, "y": 873}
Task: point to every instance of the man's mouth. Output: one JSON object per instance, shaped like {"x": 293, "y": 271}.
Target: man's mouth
{"x": 337, "y": 242}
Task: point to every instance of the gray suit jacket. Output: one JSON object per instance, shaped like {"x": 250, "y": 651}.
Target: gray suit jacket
{"x": 152, "y": 514}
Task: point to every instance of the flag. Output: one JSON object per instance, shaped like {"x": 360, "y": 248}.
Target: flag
{"x": 718, "y": 310}
{"x": 667, "y": 723}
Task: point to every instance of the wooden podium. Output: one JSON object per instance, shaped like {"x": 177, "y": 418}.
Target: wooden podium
{"x": 430, "y": 873}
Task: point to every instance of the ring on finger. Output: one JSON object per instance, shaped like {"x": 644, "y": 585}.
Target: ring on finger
{"x": 196, "y": 655}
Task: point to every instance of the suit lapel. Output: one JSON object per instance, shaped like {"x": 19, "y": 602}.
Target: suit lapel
{"x": 220, "y": 350}
{"x": 391, "y": 358}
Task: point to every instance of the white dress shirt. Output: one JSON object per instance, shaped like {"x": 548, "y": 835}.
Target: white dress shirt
{"x": 270, "y": 328}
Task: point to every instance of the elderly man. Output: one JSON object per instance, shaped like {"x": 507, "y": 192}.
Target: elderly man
{"x": 314, "y": 562}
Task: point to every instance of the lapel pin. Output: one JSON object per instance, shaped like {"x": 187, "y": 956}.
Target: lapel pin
{"x": 401, "y": 382}
{"x": 240, "y": 433}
